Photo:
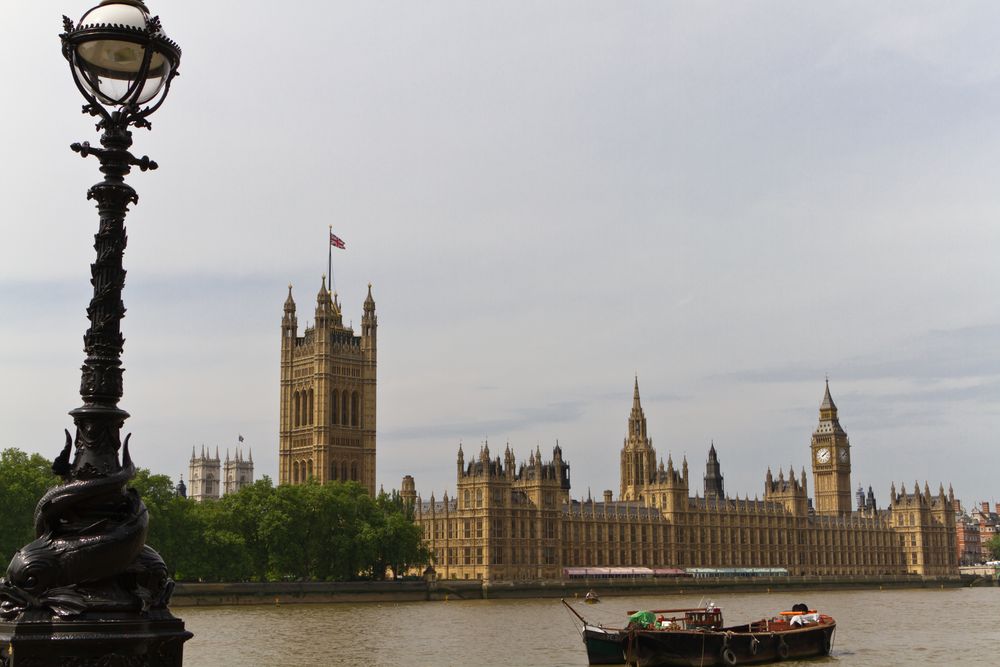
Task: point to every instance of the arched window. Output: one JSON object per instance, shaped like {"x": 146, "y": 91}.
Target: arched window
{"x": 333, "y": 470}
{"x": 343, "y": 472}
{"x": 354, "y": 472}
{"x": 312, "y": 410}
{"x": 343, "y": 408}
{"x": 309, "y": 473}
{"x": 295, "y": 472}
{"x": 335, "y": 419}
{"x": 296, "y": 410}
{"x": 354, "y": 408}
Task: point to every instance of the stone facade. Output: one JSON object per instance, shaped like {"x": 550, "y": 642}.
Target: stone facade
{"x": 517, "y": 521}
{"x": 327, "y": 411}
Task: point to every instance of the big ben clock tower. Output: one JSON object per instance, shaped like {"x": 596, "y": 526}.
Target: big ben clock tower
{"x": 831, "y": 461}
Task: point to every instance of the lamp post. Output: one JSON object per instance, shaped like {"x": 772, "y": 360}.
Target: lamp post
{"x": 89, "y": 591}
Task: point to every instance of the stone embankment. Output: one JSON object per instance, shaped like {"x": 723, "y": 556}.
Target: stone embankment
{"x": 194, "y": 594}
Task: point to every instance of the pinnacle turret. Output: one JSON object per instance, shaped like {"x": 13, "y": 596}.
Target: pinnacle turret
{"x": 323, "y": 296}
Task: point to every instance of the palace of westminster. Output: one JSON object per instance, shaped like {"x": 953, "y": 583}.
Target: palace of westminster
{"x": 510, "y": 521}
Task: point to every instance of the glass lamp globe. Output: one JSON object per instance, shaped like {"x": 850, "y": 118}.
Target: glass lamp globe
{"x": 120, "y": 54}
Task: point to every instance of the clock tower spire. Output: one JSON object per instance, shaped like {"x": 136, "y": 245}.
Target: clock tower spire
{"x": 831, "y": 461}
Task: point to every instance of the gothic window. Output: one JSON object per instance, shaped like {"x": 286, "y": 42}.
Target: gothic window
{"x": 336, "y": 408}
{"x": 333, "y": 470}
{"x": 309, "y": 470}
{"x": 354, "y": 471}
{"x": 343, "y": 408}
{"x": 296, "y": 410}
{"x": 343, "y": 472}
{"x": 354, "y": 408}
{"x": 311, "y": 407}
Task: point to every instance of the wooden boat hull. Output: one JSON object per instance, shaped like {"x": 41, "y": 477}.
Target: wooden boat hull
{"x": 605, "y": 646}
{"x": 667, "y": 648}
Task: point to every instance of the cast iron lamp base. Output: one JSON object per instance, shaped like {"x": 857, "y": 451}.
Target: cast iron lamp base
{"x": 108, "y": 640}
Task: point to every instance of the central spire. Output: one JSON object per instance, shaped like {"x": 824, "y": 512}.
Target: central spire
{"x": 828, "y": 403}
{"x": 636, "y": 404}
{"x": 638, "y": 458}
{"x": 828, "y": 412}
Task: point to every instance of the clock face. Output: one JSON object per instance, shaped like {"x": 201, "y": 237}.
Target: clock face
{"x": 823, "y": 455}
{"x": 843, "y": 455}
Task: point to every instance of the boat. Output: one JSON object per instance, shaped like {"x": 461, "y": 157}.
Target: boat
{"x": 592, "y": 597}
{"x": 800, "y": 633}
{"x": 609, "y": 646}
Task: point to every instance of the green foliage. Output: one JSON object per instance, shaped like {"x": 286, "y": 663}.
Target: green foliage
{"x": 325, "y": 532}
{"x": 993, "y": 544}
{"x": 24, "y": 479}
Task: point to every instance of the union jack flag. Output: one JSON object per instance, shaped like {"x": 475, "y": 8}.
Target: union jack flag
{"x": 336, "y": 242}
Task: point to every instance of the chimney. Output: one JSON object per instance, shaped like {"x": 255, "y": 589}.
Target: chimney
{"x": 986, "y": 508}
{"x": 607, "y": 495}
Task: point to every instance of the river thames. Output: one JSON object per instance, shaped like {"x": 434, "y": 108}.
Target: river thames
{"x": 957, "y": 626}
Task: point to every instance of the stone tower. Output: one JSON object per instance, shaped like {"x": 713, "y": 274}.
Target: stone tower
{"x": 237, "y": 471}
{"x": 831, "y": 461}
{"x": 713, "y": 476}
{"x": 408, "y": 491}
{"x": 791, "y": 492}
{"x": 638, "y": 458}
{"x": 204, "y": 476}
{"x": 327, "y": 411}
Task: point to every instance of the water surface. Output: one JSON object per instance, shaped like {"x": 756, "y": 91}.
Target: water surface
{"x": 908, "y": 627}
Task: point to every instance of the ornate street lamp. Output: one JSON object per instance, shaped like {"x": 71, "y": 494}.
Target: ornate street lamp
{"x": 89, "y": 578}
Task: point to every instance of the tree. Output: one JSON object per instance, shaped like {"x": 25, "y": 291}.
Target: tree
{"x": 219, "y": 553}
{"x": 993, "y": 545}
{"x": 246, "y": 511}
{"x": 310, "y": 531}
{"x": 24, "y": 479}
{"x": 400, "y": 542}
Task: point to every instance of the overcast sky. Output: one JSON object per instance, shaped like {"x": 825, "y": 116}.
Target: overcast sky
{"x": 730, "y": 199}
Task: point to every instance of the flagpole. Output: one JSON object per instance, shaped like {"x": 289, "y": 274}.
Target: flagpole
{"x": 329, "y": 258}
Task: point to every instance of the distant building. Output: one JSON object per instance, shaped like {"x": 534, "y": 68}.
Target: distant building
{"x": 204, "y": 475}
{"x": 208, "y": 478}
{"x": 968, "y": 542}
{"x": 989, "y": 525}
{"x": 327, "y": 411}
{"x": 518, "y": 521}
{"x": 181, "y": 488}
{"x": 237, "y": 471}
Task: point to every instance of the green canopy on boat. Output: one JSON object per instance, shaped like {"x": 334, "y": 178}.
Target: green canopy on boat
{"x": 644, "y": 619}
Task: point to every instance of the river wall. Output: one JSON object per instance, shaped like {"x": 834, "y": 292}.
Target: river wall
{"x": 278, "y": 593}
